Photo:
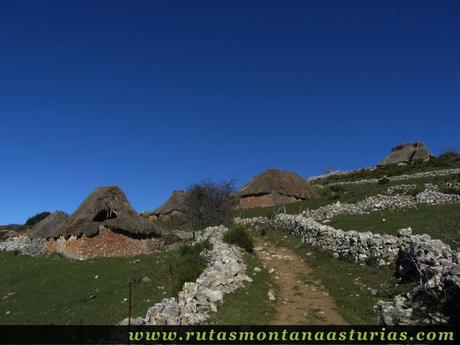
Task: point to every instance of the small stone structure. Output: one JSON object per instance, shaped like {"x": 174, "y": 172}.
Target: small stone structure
{"x": 49, "y": 226}
{"x": 174, "y": 207}
{"x": 408, "y": 153}
{"x": 275, "y": 187}
{"x": 225, "y": 272}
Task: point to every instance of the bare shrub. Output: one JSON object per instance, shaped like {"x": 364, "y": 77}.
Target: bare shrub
{"x": 209, "y": 204}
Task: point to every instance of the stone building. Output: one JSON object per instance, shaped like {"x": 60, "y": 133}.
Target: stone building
{"x": 172, "y": 208}
{"x": 407, "y": 154}
{"x": 105, "y": 224}
{"x": 275, "y": 187}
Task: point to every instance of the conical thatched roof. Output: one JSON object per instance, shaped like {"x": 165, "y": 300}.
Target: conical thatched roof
{"x": 174, "y": 203}
{"x": 278, "y": 181}
{"x": 407, "y": 153}
{"x": 107, "y": 206}
{"x": 49, "y": 226}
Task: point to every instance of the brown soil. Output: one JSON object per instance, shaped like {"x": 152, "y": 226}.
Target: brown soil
{"x": 300, "y": 299}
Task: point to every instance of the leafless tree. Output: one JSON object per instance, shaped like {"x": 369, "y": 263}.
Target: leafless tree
{"x": 209, "y": 203}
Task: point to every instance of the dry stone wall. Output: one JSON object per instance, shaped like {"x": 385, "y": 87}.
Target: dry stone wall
{"x": 24, "y": 245}
{"x": 430, "y": 196}
{"x": 225, "y": 272}
{"x": 105, "y": 244}
{"x": 425, "y": 174}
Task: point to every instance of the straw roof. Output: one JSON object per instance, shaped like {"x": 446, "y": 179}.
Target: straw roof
{"x": 278, "y": 181}
{"x": 407, "y": 153}
{"x": 107, "y": 206}
{"x": 174, "y": 203}
{"x": 49, "y": 226}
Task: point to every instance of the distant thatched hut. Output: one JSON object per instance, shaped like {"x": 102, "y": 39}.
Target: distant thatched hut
{"x": 49, "y": 226}
{"x": 408, "y": 153}
{"x": 173, "y": 207}
{"x": 275, "y": 187}
{"x": 105, "y": 224}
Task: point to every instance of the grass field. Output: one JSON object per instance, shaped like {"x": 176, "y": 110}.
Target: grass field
{"x": 248, "y": 305}
{"x": 351, "y": 285}
{"x": 439, "y": 221}
{"x": 445, "y": 161}
{"x": 47, "y": 290}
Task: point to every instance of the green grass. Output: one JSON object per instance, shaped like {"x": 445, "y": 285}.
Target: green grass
{"x": 54, "y": 290}
{"x": 248, "y": 305}
{"x": 239, "y": 236}
{"x": 347, "y": 282}
{"x": 439, "y": 221}
{"x": 394, "y": 170}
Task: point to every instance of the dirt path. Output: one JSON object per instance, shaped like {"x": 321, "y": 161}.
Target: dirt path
{"x": 299, "y": 299}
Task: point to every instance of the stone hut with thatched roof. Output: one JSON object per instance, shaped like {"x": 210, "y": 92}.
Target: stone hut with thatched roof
{"x": 105, "y": 224}
{"x": 275, "y": 187}
{"x": 407, "y": 154}
{"x": 172, "y": 208}
{"x": 49, "y": 226}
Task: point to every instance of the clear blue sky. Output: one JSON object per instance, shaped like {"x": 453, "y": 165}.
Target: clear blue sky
{"x": 155, "y": 95}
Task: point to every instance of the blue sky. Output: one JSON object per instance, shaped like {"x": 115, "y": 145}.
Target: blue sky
{"x": 155, "y": 95}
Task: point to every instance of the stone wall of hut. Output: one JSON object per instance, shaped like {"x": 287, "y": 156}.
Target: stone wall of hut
{"x": 266, "y": 200}
{"x": 106, "y": 243}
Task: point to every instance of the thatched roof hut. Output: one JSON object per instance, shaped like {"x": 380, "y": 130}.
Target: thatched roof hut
{"x": 407, "y": 153}
{"x": 107, "y": 206}
{"x": 285, "y": 186}
{"x": 49, "y": 226}
{"x": 175, "y": 203}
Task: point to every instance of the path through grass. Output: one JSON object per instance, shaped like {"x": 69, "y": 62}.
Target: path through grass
{"x": 355, "y": 288}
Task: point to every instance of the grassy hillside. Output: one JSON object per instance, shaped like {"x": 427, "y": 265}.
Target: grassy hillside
{"x": 447, "y": 160}
{"x": 439, "y": 221}
{"x": 55, "y": 290}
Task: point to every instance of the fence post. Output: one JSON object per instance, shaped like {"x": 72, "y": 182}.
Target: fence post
{"x": 129, "y": 304}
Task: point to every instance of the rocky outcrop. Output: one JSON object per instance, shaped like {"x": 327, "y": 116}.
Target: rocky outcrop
{"x": 24, "y": 245}
{"x": 225, "y": 273}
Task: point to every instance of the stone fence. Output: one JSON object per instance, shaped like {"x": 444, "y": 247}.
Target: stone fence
{"x": 225, "y": 272}
{"x": 430, "y": 196}
{"x": 425, "y": 174}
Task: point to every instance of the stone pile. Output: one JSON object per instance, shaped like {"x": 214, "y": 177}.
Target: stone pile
{"x": 225, "y": 273}
{"x": 432, "y": 196}
{"x": 24, "y": 245}
{"x": 400, "y": 189}
{"x": 372, "y": 203}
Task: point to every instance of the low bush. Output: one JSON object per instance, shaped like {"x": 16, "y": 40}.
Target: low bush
{"x": 36, "y": 218}
{"x": 240, "y": 237}
{"x": 188, "y": 266}
{"x": 384, "y": 180}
